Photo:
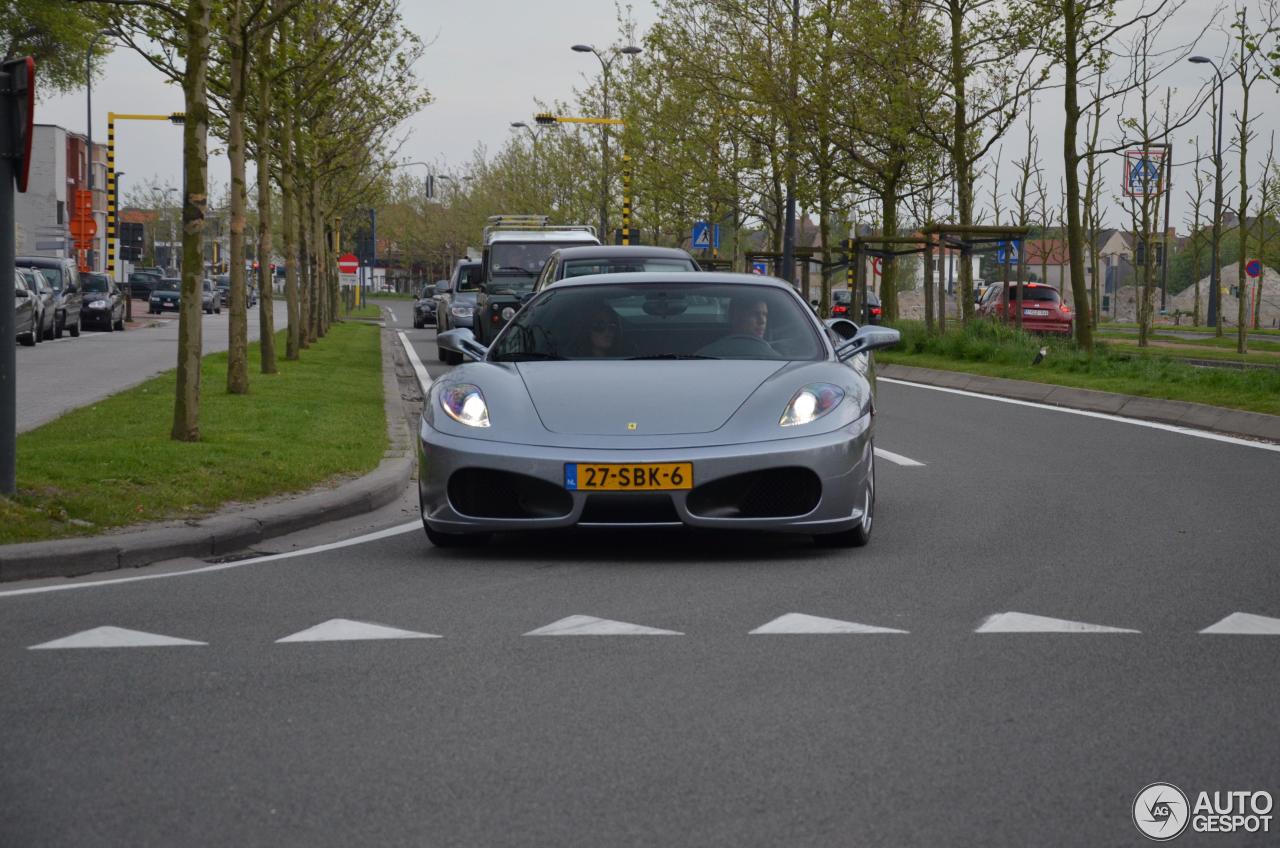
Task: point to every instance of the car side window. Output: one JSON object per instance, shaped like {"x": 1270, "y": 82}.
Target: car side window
{"x": 548, "y": 273}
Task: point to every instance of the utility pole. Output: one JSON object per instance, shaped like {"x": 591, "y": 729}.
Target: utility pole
{"x": 17, "y": 101}
{"x": 607, "y": 66}
{"x": 789, "y": 226}
{"x": 373, "y": 249}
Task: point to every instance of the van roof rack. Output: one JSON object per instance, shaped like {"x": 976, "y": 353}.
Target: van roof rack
{"x": 498, "y": 223}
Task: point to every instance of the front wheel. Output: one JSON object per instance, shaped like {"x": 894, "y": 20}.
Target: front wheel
{"x": 860, "y": 535}
{"x": 56, "y": 331}
{"x": 75, "y": 329}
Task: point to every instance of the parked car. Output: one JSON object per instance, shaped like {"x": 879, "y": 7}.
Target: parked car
{"x": 1042, "y": 308}
{"x": 141, "y": 283}
{"x": 456, "y": 303}
{"x": 165, "y": 295}
{"x": 63, "y": 276}
{"x": 103, "y": 302}
{"x": 424, "y": 306}
{"x": 569, "y": 262}
{"x": 24, "y": 310}
{"x": 842, "y": 302}
{"x": 222, "y": 282}
{"x": 46, "y": 302}
{"x": 210, "y": 298}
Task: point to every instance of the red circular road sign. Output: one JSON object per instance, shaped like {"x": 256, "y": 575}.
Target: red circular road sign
{"x": 877, "y": 265}
{"x": 1254, "y": 268}
{"x": 348, "y": 264}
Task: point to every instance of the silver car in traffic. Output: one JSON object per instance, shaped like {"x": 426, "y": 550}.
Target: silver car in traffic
{"x": 646, "y": 400}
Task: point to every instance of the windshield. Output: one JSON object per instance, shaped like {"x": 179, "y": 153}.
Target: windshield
{"x": 583, "y": 267}
{"x": 507, "y": 257}
{"x": 95, "y": 283}
{"x": 167, "y": 285}
{"x": 466, "y": 275}
{"x": 1040, "y": 293}
{"x": 684, "y": 320}
{"x": 52, "y": 276}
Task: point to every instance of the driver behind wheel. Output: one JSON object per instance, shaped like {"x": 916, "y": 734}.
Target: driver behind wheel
{"x": 748, "y": 316}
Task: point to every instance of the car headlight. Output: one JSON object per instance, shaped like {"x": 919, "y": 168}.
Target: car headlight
{"x": 465, "y": 404}
{"x": 811, "y": 403}
{"x": 508, "y": 313}
{"x": 98, "y": 304}
{"x": 461, "y": 311}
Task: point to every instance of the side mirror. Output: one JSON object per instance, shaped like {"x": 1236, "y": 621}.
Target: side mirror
{"x": 868, "y": 338}
{"x": 21, "y": 293}
{"x": 526, "y": 297}
{"x": 442, "y": 287}
{"x": 842, "y": 327}
{"x": 462, "y": 341}
{"x": 70, "y": 289}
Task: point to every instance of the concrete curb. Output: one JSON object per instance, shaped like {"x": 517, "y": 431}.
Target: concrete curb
{"x": 1198, "y": 416}
{"x": 240, "y": 526}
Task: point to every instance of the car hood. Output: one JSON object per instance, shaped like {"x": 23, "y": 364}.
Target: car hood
{"x": 652, "y": 398}
{"x": 466, "y": 298}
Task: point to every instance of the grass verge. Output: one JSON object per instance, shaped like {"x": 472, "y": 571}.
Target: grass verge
{"x": 1229, "y": 332}
{"x": 112, "y": 464}
{"x": 995, "y": 350}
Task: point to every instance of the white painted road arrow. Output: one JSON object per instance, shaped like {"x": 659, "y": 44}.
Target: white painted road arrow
{"x": 113, "y": 637}
{"x": 798, "y": 622}
{"x": 586, "y": 625}
{"x": 1021, "y": 622}
{"x": 1246, "y": 624}
{"x": 346, "y": 630}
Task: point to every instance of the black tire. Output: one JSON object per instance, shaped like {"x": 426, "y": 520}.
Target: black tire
{"x": 28, "y": 339}
{"x": 118, "y": 325}
{"x": 218, "y": 310}
{"x": 860, "y": 535}
{"x": 75, "y": 331}
{"x": 55, "y": 332}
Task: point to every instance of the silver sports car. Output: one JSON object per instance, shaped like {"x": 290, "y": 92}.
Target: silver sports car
{"x": 646, "y": 400}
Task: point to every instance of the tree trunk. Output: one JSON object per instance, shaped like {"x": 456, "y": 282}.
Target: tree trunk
{"x": 960, "y": 154}
{"x": 238, "y": 319}
{"x": 1071, "y": 161}
{"x": 195, "y": 134}
{"x": 293, "y": 343}
{"x": 1242, "y": 284}
{"x": 266, "y": 278}
{"x": 889, "y": 268}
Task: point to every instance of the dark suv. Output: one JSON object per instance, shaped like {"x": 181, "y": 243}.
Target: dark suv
{"x": 142, "y": 283}
{"x": 63, "y": 276}
{"x": 456, "y": 304}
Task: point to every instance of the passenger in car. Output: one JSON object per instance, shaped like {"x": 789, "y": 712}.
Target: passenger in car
{"x": 601, "y": 336}
{"x": 748, "y": 317}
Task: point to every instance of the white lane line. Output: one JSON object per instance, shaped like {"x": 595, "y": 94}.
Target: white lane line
{"x": 898, "y": 458}
{"x": 346, "y": 630}
{"x": 424, "y": 379}
{"x": 587, "y": 625}
{"x": 223, "y": 566}
{"x": 1245, "y": 624}
{"x": 1021, "y": 622}
{"x": 798, "y": 622}
{"x": 114, "y": 637}
{"x": 390, "y": 314}
{"x": 1106, "y": 416}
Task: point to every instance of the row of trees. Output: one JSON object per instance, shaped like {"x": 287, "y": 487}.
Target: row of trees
{"x": 280, "y": 82}
{"x": 881, "y": 112}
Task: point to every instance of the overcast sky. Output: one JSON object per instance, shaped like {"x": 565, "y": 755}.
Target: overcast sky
{"x": 487, "y": 63}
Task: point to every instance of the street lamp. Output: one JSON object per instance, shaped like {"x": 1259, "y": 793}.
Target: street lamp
{"x": 607, "y": 65}
{"x": 533, "y": 137}
{"x": 1214, "y": 282}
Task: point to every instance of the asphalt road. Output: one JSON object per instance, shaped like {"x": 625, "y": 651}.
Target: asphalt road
{"x": 707, "y": 734}
{"x": 60, "y": 375}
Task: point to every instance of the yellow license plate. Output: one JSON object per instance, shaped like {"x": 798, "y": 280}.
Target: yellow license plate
{"x": 620, "y": 477}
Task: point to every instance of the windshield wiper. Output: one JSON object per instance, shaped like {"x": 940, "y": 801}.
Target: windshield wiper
{"x": 674, "y": 356}
{"x": 527, "y": 356}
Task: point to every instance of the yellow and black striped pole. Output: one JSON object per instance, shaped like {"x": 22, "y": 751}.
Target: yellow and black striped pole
{"x": 111, "y": 196}
{"x": 626, "y": 199}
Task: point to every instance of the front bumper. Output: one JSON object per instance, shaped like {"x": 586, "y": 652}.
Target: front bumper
{"x": 840, "y": 460}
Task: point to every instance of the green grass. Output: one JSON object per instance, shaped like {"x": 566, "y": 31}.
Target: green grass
{"x": 113, "y": 464}
{"x": 364, "y": 310}
{"x": 1227, "y": 343}
{"x": 392, "y": 296}
{"x": 1228, "y": 332}
{"x": 995, "y": 350}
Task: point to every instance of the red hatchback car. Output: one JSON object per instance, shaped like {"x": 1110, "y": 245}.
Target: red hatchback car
{"x": 1042, "y": 308}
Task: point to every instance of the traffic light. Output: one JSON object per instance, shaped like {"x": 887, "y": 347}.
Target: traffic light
{"x": 132, "y": 241}
{"x": 544, "y": 118}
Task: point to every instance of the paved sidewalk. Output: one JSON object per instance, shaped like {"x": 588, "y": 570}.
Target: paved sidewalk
{"x": 1200, "y": 416}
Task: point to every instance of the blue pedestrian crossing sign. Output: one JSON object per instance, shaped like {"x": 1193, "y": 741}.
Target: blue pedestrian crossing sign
{"x": 1143, "y": 172}
{"x": 706, "y": 236}
{"x": 1007, "y": 252}
{"x": 760, "y": 266}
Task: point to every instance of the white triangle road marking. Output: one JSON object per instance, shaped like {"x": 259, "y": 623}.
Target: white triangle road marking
{"x": 1021, "y": 622}
{"x": 898, "y": 459}
{"x": 586, "y": 625}
{"x": 1246, "y": 624}
{"x": 113, "y": 637}
{"x": 798, "y": 622}
{"x": 346, "y": 630}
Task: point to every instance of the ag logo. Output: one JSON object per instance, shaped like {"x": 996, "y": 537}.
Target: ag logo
{"x": 1161, "y": 811}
